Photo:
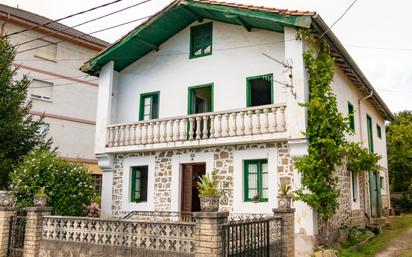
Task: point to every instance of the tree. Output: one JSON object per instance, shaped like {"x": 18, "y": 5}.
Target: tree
{"x": 19, "y": 131}
{"x": 399, "y": 145}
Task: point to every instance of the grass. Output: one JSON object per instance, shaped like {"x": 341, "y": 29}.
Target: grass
{"x": 399, "y": 226}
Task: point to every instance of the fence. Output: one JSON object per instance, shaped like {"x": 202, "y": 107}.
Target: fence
{"x": 149, "y": 234}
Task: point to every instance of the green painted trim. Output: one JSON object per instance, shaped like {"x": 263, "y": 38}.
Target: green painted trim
{"x": 142, "y": 187}
{"x": 370, "y": 133}
{"x": 209, "y": 26}
{"x": 351, "y": 116}
{"x": 189, "y": 96}
{"x": 141, "y": 109}
{"x": 133, "y": 185}
{"x": 248, "y": 79}
{"x": 246, "y": 164}
{"x": 379, "y": 131}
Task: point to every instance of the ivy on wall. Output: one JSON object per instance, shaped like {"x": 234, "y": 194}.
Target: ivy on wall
{"x": 326, "y": 132}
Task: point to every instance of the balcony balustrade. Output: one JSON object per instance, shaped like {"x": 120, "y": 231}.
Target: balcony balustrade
{"x": 207, "y": 128}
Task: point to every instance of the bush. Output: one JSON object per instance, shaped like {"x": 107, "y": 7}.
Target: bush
{"x": 68, "y": 185}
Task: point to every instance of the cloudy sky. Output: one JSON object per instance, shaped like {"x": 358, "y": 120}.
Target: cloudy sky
{"x": 376, "y": 33}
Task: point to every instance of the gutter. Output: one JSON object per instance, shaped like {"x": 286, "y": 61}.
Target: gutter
{"x": 321, "y": 27}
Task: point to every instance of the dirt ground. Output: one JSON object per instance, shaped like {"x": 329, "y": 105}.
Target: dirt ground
{"x": 400, "y": 246}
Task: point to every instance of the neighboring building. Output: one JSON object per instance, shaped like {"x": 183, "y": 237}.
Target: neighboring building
{"x": 59, "y": 91}
{"x": 193, "y": 89}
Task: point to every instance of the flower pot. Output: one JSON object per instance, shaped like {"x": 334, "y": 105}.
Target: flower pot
{"x": 40, "y": 200}
{"x": 7, "y": 199}
{"x": 284, "y": 202}
{"x": 209, "y": 203}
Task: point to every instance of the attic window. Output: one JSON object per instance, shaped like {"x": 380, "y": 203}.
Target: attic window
{"x": 201, "y": 40}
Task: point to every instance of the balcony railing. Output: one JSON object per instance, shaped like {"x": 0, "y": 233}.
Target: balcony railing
{"x": 260, "y": 120}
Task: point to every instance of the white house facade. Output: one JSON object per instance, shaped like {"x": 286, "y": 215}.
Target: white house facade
{"x": 205, "y": 86}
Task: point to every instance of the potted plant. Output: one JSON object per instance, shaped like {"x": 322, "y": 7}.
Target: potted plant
{"x": 284, "y": 196}
{"x": 40, "y": 198}
{"x": 208, "y": 193}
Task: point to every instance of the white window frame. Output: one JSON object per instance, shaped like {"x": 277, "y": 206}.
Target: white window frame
{"x": 355, "y": 204}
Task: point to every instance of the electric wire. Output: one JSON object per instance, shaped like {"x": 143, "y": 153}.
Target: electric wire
{"x": 340, "y": 17}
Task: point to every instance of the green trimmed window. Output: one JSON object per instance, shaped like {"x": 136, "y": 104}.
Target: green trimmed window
{"x": 201, "y": 40}
{"x": 139, "y": 184}
{"x": 259, "y": 90}
{"x": 149, "y": 106}
{"x": 370, "y": 133}
{"x": 379, "y": 131}
{"x": 351, "y": 116}
{"x": 256, "y": 180}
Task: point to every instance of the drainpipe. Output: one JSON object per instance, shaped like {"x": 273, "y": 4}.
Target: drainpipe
{"x": 361, "y": 139}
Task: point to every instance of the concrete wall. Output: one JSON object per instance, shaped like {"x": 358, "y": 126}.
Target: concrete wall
{"x": 51, "y": 248}
{"x": 71, "y": 111}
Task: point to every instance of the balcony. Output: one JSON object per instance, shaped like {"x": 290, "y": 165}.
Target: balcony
{"x": 249, "y": 125}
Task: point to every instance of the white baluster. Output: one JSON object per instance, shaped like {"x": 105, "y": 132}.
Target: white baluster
{"x": 150, "y": 134}
{"x": 249, "y": 127}
{"x": 212, "y": 126}
{"x": 127, "y": 135}
{"x": 121, "y": 133}
{"x": 241, "y": 128}
{"x": 163, "y": 126}
{"x": 218, "y": 132}
{"x": 138, "y": 134}
{"x": 191, "y": 128}
{"x": 205, "y": 132}
{"x": 265, "y": 125}
{"x": 274, "y": 125}
{"x": 133, "y": 134}
{"x": 176, "y": 132}
{"x": 232, "y": 124}
{"x": 112, "y": 136}
{"x": 256, "y": 127}
{"x": 156, "y": 132}
{"x": 169, "y": 131}
{"x": 144, "y": 134}
{"x": 183, "y": 128}
{"x": 225, "y": 131}
{"x": 198, "y": 131}
{"x": 282, "y": 123}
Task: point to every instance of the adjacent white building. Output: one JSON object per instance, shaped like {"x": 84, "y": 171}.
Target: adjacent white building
{"x": 206, "y": 85}
{"x": 51, "y": 56}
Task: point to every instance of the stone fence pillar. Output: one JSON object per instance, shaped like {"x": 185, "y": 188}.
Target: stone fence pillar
{"x": 288, "y": 231}
{"x": 5, "y": 214}
{"x": 34, "y": 224}
{"x": 208, "y": 233}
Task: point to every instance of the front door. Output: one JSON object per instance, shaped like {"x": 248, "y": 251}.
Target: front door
{"x": 374, "y": 180}
{"x": 190, "y": 196}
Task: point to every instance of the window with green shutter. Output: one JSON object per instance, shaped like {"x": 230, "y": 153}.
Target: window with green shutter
{"x": 201, "y": 40}
{"x": 256, "y": 180}
{"x": 139, "y": 184}
{"x": 149, "y": 106}
{"x": 351, "y": 116}
{"x": 379, "y": 131}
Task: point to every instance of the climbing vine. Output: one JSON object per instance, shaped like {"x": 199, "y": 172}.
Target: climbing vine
{"x": 326, "y": 132}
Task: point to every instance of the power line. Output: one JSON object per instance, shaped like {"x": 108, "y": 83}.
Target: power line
{"x": 63, "y": 18}
{"x": 88, "y": 21}
{"x": 340, "y": 17}
{"x": 380, "y": 48}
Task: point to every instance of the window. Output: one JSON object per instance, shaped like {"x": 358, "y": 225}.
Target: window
{"x": 41, "y": 90}
{"x": 46, "y": 50}
{"x": 379, "y": 131}
{"x": 149, "y": 106}
{"x": 97, "y": 182}
{"x": 370, "y": 134}
{"x": 351, "y": 116}
{"x": 256, "y": 180}
{"x": 139, "y": 184}
{"x": 201, "y": 40}
{"x": 259, "y": 90}
{"x": 355, "y": 190}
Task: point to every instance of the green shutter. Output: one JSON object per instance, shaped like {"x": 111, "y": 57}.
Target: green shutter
{"x": 133, "y": 186}
{"x": 351, "y": 116}
{"x": 370, "y": 133}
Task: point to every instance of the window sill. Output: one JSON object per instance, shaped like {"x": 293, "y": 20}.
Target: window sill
{"x": 41, "y": 100}
{"x": 198, "y": 56}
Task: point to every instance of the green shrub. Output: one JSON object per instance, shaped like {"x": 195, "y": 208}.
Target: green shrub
{"x": 68, "y": 185}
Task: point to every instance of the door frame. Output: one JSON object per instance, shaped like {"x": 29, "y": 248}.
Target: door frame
{"x": 189, "y": 96}
{"x": 182, "y": 170}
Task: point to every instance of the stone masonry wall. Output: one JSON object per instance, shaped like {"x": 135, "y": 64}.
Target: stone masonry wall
{"x": 223, "y": 162}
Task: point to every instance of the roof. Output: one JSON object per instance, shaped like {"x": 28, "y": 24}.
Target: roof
{"x": 149, "y": 35}
{"x": 56, "y": 26}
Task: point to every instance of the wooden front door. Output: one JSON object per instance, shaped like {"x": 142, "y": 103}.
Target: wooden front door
{"x": 190, "y": 196}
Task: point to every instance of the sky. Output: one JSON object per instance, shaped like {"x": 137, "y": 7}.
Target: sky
{"x": 377, "y": 33}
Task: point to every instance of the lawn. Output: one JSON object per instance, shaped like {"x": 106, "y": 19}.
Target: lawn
{"x": 399, "y": 235}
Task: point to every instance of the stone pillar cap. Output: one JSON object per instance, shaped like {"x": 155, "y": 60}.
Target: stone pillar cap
{"x": 210, "y": 215}
{"x": 288, "y": 210}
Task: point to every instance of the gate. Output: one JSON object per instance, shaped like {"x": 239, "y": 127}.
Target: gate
{"x": 17, "y": 230}
{"x": 247, "y": 238}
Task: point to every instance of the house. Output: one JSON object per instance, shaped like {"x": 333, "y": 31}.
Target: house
{"x": 206, "y": 85}
{"x": 51, "y": 56}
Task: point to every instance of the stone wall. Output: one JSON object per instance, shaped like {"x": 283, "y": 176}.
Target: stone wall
{"x": 223, "y": 162}
{"x": 51, "y": 248}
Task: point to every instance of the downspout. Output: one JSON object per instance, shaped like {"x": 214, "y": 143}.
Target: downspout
{"x": 361, "y": 139}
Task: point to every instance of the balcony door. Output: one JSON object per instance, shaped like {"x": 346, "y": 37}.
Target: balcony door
{"x": 189, "y": 195}
{"x": 200, "y": 99}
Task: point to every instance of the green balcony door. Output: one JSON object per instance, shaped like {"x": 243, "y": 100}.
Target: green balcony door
{"x": 374, "y": 179}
